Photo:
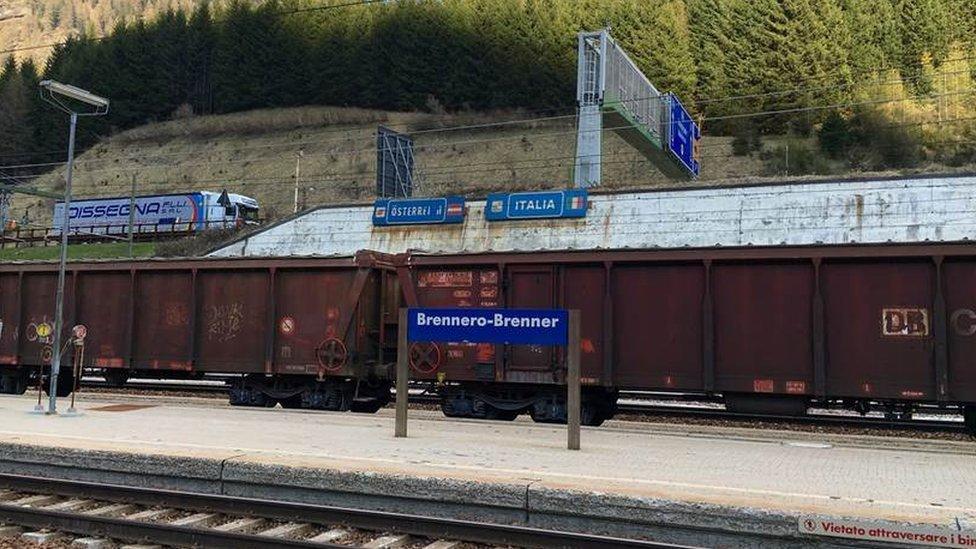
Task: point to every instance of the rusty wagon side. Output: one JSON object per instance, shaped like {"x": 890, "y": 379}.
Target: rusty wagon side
{"x": 771, "y": 330}
{"x": 302, "y": 332}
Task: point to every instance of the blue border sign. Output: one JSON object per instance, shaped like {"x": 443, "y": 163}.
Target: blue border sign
{"x": 570, "y": 203}
{"x": 418, "y": 211}
{"x": 683, "y": 136}
{"x": 513, "y": 326}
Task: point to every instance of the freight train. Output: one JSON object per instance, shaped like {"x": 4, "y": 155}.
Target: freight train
{"x": 766, "y": 329}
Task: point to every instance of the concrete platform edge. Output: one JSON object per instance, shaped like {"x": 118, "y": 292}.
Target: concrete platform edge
{"x": 513, "y": 503}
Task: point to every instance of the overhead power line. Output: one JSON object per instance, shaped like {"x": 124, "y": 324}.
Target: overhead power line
{"x": 446, "y": 144}
{"x": 449, "y": 174}
{"x": 333, "y": 6}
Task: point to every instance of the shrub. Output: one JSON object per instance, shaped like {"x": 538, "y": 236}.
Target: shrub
{"x": 883, "y": 144}
{"x": 834, "y": 136}
{"x": 746, "y": 140}
{"x": 195, "y": 245}
{"x": 795, "y": 157}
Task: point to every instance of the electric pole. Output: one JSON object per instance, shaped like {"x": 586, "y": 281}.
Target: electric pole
{"x": 298, "y": 171}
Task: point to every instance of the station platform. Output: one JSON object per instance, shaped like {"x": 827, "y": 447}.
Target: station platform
{"x": 705, "y": 487}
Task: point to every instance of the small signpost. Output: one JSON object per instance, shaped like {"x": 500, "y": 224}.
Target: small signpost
{"x": 224, "y": 199}
{"x": 556, "y": 327}
{"x": 78, "y": 334}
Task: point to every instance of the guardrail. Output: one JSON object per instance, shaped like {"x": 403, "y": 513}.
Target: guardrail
{"x": 26, "y": 237}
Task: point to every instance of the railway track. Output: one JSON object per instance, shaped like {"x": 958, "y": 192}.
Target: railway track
{"x": 676, "y": 406}
{"x": 184, "y": 519}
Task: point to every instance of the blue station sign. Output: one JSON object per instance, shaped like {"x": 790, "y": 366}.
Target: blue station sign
{"x": 513, "y": 326}
{"x": 683, "y": 136}
{"x": 569, "y": 203}
{"x": 418, "y": 211}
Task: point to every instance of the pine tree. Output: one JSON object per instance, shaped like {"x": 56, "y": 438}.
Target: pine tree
{"x": 709, "y": 27}
{"x": 925, "y": 35}
{"x": 874, "y": 27}
{"x": 18, "y": 85}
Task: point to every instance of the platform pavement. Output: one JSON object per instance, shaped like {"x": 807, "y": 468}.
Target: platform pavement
{"x": 678, "y": 486}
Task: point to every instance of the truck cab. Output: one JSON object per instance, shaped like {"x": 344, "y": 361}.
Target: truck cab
{"x": 241, "y": 210}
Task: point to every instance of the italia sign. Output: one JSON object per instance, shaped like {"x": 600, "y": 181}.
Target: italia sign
{"x": 570, "y": 203}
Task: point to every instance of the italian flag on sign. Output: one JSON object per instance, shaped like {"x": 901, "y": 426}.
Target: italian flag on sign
{"x": 577, "y": 202}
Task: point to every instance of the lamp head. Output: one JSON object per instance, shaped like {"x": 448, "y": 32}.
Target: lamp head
{"x": 75, "y": 93}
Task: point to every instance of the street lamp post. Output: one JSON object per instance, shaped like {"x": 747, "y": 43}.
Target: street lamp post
{"x": 58, "y": 95}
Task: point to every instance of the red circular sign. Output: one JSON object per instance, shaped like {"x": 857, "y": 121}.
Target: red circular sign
{"x": 287, "y": 325}
{"x": 80, "y": 331}
{"x": 425, "y": 358}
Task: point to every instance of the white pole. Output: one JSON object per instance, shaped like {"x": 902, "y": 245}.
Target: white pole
{"x": 298, "y": 168}
{"x": 59, "y": 299}
{"x": 132, "y": 213}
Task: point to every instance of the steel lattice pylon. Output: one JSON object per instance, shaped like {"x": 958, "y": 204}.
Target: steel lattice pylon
{"x": 613, "y": 93}
{"x": 4, "y": 209}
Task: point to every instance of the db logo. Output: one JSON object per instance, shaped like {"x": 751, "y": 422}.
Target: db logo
{"x": 809, "y": 525}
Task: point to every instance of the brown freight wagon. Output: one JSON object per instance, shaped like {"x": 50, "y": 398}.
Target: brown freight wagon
{"x": 771, "y": 330}
{"x": 302, "y": 332}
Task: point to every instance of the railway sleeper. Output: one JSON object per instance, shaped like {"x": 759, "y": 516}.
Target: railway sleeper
{"x": 543, "y": 404}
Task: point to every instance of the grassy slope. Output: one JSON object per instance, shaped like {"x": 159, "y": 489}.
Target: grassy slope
{"x": 254, "y": 153}
{"x": 79, "y": 251}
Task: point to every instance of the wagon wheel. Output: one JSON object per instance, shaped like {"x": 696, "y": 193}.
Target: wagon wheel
{"x": 332, "y": 354}
{"x": 425, "y": 358}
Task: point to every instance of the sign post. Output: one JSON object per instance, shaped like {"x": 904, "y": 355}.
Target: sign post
{"x": 555, "y": 327}
{"x": 78, "y": 334}
{"x": 403, "y": 374}
{"x": 573, "y": 403}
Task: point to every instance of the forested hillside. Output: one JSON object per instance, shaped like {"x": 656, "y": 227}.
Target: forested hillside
{"x": 728, "y": 59}
{"x": 30, "y": 25}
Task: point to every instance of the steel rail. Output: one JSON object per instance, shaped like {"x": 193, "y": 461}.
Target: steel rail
{"x": 131, "y": 530}
{"x": 156, "y": 386}
{"x": 812, "y": 419}
{"x": 417, "y": 525}
{"x": 635, "y": 408}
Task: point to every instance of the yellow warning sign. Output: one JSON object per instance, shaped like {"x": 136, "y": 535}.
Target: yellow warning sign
{"x": 44, "y": 329}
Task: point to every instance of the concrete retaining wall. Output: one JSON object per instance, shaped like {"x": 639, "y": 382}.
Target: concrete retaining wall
{"x": 895, "y": 210}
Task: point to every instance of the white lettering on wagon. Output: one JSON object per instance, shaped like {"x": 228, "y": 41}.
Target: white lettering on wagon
{"x": 905, "y": 322}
